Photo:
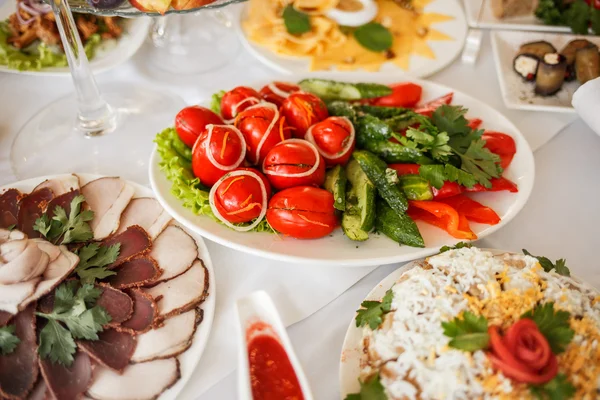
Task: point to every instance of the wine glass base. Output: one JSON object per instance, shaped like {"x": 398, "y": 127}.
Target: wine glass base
{"x": 51, "y": 143}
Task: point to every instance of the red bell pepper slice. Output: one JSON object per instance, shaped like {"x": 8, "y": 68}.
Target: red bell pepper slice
{"x": 498, "y": 185}
{"x": 428, "y": 108}
{"x": 404, "y": 94}
{"x": 472, "y": 210}
{"x": 448, "y": 190}
{"x": 443, "y": 216}
{"x": 502, "y": 145}
{"x": 405, "y": 169}
{"x": 475, "y": 123}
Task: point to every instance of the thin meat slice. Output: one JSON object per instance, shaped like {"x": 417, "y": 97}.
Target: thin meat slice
{"x": 39, "y": 391}
{"x": 118, "y": 304}
{"x": 134, "y": 241}
{"x": 143, "y": 381}
{"x": 172, "y": 338}
{"x": 113, "y": 349}
{"x": 144, "y": 314}
{"x": 134, "y": 273}
{"x": 14, "y": 295}
{"x": 174, "y": 263}
{"x": 107, "y": 197}
{"x": 25, "y": 261}
{"x": 31, "y": 207}
{"x": 182, "y": 293}
{"x": 147, "y": 213}
{"x": 9, "y": 208}
{"x": 19, "y": 369}
{"x": 64, "y": 201}
{"x": 61, "y": 185}
{"x": 6, "y": 235}
{"x": 5, "y": 318}
{"x": 67, "y": 383}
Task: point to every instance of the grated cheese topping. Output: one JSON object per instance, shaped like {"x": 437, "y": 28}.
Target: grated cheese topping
{"x": 410, "y": 350}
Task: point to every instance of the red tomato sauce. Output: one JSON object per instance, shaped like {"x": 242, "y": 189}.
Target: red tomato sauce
{"x": 271, "y": 373}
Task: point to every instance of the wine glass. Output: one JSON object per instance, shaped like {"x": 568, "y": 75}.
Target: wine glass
{"x": 108, "y": 132}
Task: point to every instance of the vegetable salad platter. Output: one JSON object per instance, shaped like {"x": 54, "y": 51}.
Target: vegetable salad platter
{"x": 104, "y": 296}
{"x": 341, "y": 173}
{"x": 470, "y": 324}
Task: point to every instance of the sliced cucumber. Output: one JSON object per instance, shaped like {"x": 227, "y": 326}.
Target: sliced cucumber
{"x": 351, "y": 226}
{"x": 335, "y": 183}
{"x": 365, "y": 194}
{"x": 333, "y": 90}
{"x": 398, "y": 227}
{"x": 415, "y": 187}
{"x": 341, "y": 109}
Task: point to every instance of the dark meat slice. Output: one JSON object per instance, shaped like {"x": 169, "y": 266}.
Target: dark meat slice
{"x": 39, "y": 391}
{"x": 19, "y": 369}
{"x": 144, "y": 312}
{"x": 64, "y": 201}
{"x": 113, "y": 349}
{"x": 31, "y": 207}
{"x": 66, "y": 383}
{"x": 118, "y": 304}
{"x": 9, "y": 208}
{"x": 5, "y": 317}
{"x": 136, "y": 272}
{"x": 134, "y": 241}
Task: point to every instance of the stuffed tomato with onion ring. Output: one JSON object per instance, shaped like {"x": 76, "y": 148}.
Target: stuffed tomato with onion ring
{"x": 301, "y": 110}
{"x": 334, "y": 138}
{"x": 294, "y": 162}
{"x": 191, "y": 122}
{"x": 277, "y": 92}
{"x": 237, "y": 100}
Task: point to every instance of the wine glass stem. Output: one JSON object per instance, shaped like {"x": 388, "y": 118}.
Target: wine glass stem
{"x": 95, "y": 116}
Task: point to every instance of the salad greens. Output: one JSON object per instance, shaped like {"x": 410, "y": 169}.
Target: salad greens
{"x": 578, "y": 14}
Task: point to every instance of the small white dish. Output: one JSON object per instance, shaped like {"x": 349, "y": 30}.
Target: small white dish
{"x": 259, "y": 308}
{"x": 518, "y": 94}
{"x": 108, "y": 55}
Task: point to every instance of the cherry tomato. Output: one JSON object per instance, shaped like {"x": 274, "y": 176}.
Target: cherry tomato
{"x": 237, "y": 100}
{"x": 301, "y": 110}
{"x": 294, "y": 162}
{"x": 240, "y": 198}
{"x": 428, "y": 108}
{"x": 191, "y": 122}
{"x": 334, "y": 138}
{"x": 277, "y": 92}
{"x": 218, "y": 150}
{"x": 262, "y": 127}
{"x": 404, "y": 94}
{"x": 502, "y": 145}
{"x": 303, "y": 212}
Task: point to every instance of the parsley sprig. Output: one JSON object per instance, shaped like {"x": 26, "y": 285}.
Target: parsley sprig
{"x": 469, "y": 333}
{"x": 371, "y": 389}
{"x": 559, "y": 388}
{"x": 76, "y": 308}
{"x": 62, "y": 229}
{"x": 458, "y": 245}
{"x": 372, "y": 311}
{"x": 554, "y": 325}
{"x": 560, "y": 266}
{"x": 93, "y": 260}
{"x": 8, "y": 340}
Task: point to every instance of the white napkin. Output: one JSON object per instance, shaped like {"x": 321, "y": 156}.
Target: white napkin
{"x": 586, "y": 101}
{"x": 297, "y": 290}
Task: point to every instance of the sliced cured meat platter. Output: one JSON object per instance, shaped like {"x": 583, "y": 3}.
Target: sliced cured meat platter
{"x": 153, "y": 285}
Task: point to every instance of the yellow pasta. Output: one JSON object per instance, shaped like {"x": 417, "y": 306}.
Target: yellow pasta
{"x": 327, "y": 46}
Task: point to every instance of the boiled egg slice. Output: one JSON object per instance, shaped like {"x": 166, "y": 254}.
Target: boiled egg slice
{"x": 353, "y": 12}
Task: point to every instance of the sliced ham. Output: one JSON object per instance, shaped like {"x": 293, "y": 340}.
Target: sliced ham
{"x": 14, "y": 295}
{"x": 118, "y": 304}
{"x": 107, "y": 197}
{"x": 134, "y": 241}
{"x": 31, "y": 207}
{"x": 25, "y": 261}
{"x": 133, "y": 273}
{"x": 59, "y": 186}
{"x": 9, "y": 208}
{"x": 19, "y": 369}
{"x": 143, "y": 381}
{"x": 63, "y": 201}
{"x": 172, "y": 338}
{"x": 147, "y": 213}
{"x": 6, "y": 235}
{"x": 182, "y": 293}
{"x": 174, "y": 263}
{"x": 53, "y": 251}
{"x": 144, "y": 313}
{"x": 113, "y": 349}
{"x": 67, "y": 383}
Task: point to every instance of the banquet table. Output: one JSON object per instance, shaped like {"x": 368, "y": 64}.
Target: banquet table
{"x": 560, "y": 220}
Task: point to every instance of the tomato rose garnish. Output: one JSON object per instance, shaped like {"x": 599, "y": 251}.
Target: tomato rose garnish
{"x": 294, "y": 162}
{"x": 301, "y": 110}
{"x": 302, "y": 212}
{"x": 262, "y": 127}
{"x": 191, "y": 122}
{"x": 237, "y": 100}
{"x": 277, "y": 92}
{"x": 218, "y": 150}
{"x": 523, "y": 354}
{"x": 334, "y": 138}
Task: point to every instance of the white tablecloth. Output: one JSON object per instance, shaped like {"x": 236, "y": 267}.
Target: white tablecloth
{"x": 560, "y": 220}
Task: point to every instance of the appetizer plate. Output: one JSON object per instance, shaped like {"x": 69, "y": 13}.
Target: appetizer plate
{"x": 338, "y": 250}
{"x": 445, "y": 51}
{"x": 109, "y": 53}
{"x": 479, "y": 15}
{"x": 190, "y": 358}
{"x": 518, "y": 94}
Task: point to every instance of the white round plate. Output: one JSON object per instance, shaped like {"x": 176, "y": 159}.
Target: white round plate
{"x": 108, "y": 55}
{"x": 338, "y": 250}
{"x": 190, "y": 358}
{"x": 445, "y": 51}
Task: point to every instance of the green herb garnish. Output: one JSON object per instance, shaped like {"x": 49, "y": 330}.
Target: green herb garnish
{"x": 93, "y": 259}
{"x": 374, "y": 36}
{"x": 469, "y": 333}
{"x": 371, "y": 389}
{"x": 8, "y": 340}
{"x": 459, "y": 245}
{"x": 559, "y": 388}
{"x": 63, "y": 229}
{"x": 554, "y": 325}
{"x": 372, "y": 311}
{"x": 296, "y": 22}
{"x": 559, "y": 266}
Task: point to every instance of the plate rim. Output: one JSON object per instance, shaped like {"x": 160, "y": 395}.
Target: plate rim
{"x": 202, "y": 333}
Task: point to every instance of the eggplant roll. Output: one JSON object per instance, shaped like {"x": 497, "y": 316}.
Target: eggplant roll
{"x": 569, "y": 52}
{"x": 587, "y": 64}
{"x": 526, "y": 66}
{"x": 550, "y": 74}
{"x": 538, "y": 49}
